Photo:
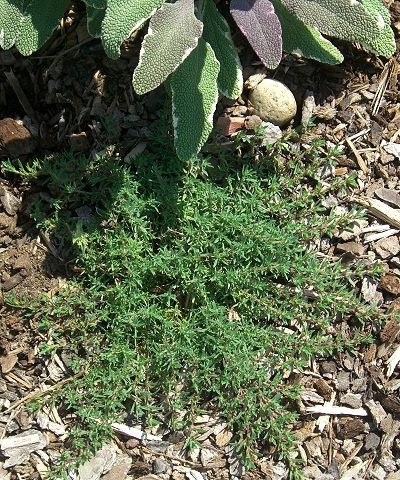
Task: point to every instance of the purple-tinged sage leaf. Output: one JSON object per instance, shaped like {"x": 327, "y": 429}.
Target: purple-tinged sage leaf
{"x": 260, "y": 25}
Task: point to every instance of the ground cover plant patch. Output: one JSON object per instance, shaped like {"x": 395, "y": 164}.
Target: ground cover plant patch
{"x": 195, "y": 290}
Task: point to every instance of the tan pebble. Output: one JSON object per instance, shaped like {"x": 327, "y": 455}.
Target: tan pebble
{"x": 273, "y": 102}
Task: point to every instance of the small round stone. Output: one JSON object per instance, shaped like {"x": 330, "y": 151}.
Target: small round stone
{"x": 160, "y": 466}
{"x": 273, "y": 102}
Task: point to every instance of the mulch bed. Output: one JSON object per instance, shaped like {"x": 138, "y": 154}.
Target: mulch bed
{"x": 71, "y": 95}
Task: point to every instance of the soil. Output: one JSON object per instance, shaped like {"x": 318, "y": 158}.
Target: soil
{"x": 69, "y": 95}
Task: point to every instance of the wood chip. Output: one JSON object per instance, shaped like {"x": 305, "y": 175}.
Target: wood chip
{"x": 350, "y": 428}
{"x": 23, "y": 99}
{"x": 323, "y": 388}
{"x": 15, "y": 139}
{"x": 390, "y": 331}
{"x": 351, "y": 247}
{"x": 335, "y": 410}
{"x": 26, "y": 438}
{"x": 8, "y": 362}
{"x": 223, "y": 438}
{"x": 391, "y": 428}
{"x": 390, "y": 283}
{"x": 134, "y": 432}
{"x": 389, "y": 196}
{"x": 382, "y": 211}
{"x": 354, "y": 472}
{"x": 376, "y": 410}
{"x": 393, "y": 362}
{"x": 360, "y": 160}
{"x": 12, "y": 377}
{"x": 377, "y": 236}
{"x": 18, "y": 447}
{"x": 388, "y": 73}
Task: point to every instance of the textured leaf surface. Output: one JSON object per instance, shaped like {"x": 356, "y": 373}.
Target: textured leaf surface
{"x": 216, "y": 33}
{"x": 96, "y": 3}
{"x": 95, "y": 17}
{"x": 260, "y": 25}
{"x": 10, "y": 19}
{"x": 122, "y": 18}
{"x": 384, "y": 44}
{"x": 194, "y": 98}
{"x": 173, "y": 33}
{"x": 345, "y": 19}
{"x": 304, "y": 40}
{"x": 40, "y": 19}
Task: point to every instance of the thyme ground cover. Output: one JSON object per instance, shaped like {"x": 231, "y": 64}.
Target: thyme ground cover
{"x": 192, "y": 292}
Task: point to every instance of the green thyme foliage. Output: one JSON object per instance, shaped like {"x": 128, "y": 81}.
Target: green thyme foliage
{"x": 191, "y": 293}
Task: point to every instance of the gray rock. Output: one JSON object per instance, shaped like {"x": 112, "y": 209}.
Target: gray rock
{"x": 273, "y": 102}
{"x": 271, "y": 133}
{"x": 95, "y": 467}
{"x": 120, "y": 469}
{"x": 372, "y": 441}
{"x": 389, "y": 196}
{"x": 160, "y": 466}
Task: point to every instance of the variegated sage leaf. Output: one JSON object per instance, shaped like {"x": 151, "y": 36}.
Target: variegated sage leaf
{"x": 384, "y": 44}
{"x": 39, "y": 19}
{"x": 216, "y": 32}
{"x": 96, "y": 3}
{"x": 194, "y": 98}
{"x": 95, "y": 17}
{"x": 344, "y": 19}
{"x": 122, "y": 18}
{"x": 304, "y": 40}
{"x": 10, "y": 19}
{"x": 260, "y": 25}
{"x": 173, "y": 33}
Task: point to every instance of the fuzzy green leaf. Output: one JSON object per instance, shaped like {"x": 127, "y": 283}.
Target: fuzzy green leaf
{"x": 39, "y": 18}
{"x": 10, "y": 19}
{"x": 258, "y": 22}
{"x": 194, "y": 98}
{"x": 344, "y": 19}
{"x": 96, "y": 3}
{"x": 122, "y": 18}
{"x": 384, "y": 44}
{"x": 216, "y": 33}
{"x": 304, "y": 40}
{"x": 173, "y": 33}
{"x": 95, "y": 17}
